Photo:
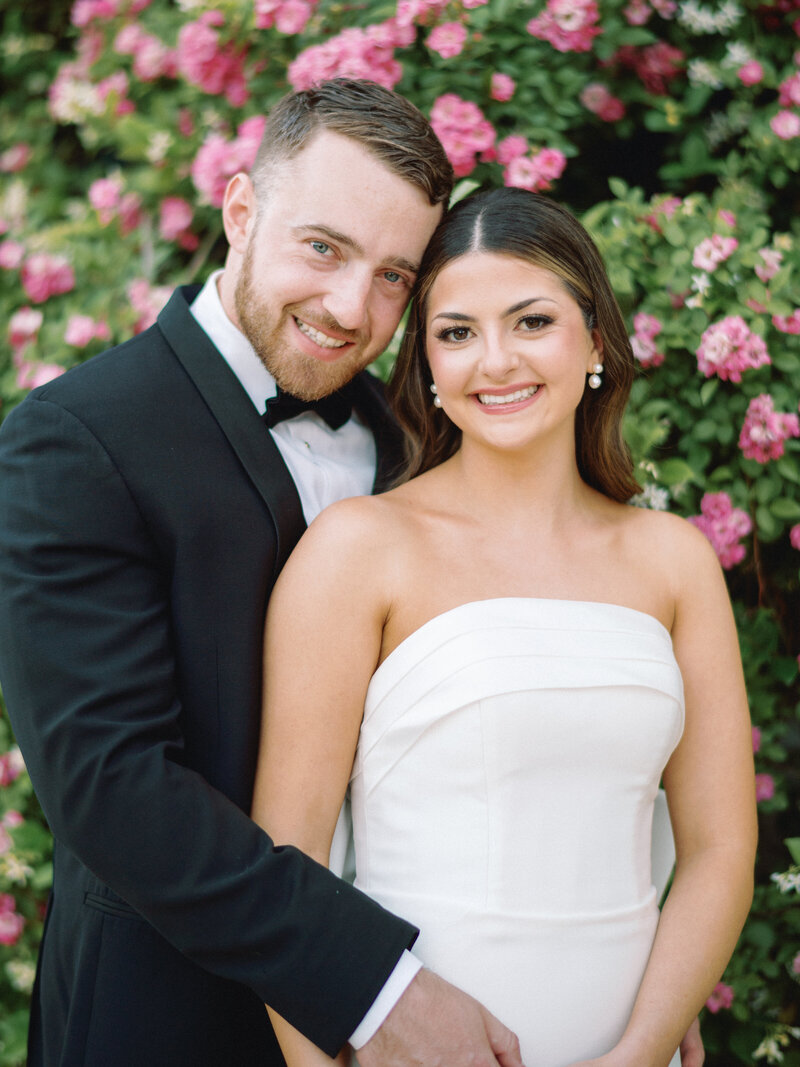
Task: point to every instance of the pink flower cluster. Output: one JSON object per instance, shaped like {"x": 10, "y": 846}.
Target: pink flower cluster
{"x": 147, "y": 300}
{"x": 750, "y": 73}
{"x": 772, "y": 263}
{"x": 86, "y": 11}
{"x": 765, "y": 430}
{"x": 45, "y": 275}
{"x": 721, "y": 997}
{"x": 765, "y": 787}
{"x": 568, "y": 25}
{"x": 724, "y": 526}
{"x": 643, "y": 342}
{"x": 463, "y": 130}
{"x": 655, "y": 65}
{"x": 787, "y": 323}
{"x": 15, "y": 158}
{"x": 639, "y": 12}
{"x": 23, "y": 326}
{"x": 729, "y": 347}
{"x": 447, "y": 39}
{"x": 175, "y": 220}
{"x": 502, "y": 87}
{"x": 151, "y": 57}
{"x": 107, "y": 198}
{"x": 204, "y": 61}
{"x": 712, "y": 251}
{"x": 219, "y": 159}
{"x": 790, "y": 91}
{"x": 756, "y": 735}
{"x": 11, "y": 766}
{"x": 596, "y": 98}
{"x": 8, "y": 822}
{"x": 12, "y": 254}
{"x": 81, "y": 329}
{"x": 287, "y": 16}
{"x": 537, "y": 171}
{"x": 354, "y": 53}
{"x": 11, "y": 922}
{"x": 786, "y": 125}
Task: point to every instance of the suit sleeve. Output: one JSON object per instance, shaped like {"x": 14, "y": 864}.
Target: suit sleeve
{"x": 90, "y": 683}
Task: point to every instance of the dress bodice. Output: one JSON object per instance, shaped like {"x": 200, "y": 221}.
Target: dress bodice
{"x": 502, "y": 799}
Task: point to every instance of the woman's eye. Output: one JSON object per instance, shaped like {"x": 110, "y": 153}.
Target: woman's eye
{"x": 393, "y": 277}
{"x": 455, "y": 333}
{"x": 533, "y": 322}
{"x": 321, "y": 247}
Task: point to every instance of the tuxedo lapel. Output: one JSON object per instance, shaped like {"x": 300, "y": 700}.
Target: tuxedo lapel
{"x": 238, "y": 419}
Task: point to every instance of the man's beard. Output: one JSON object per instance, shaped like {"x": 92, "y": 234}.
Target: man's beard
{"x": 295, "y": 372}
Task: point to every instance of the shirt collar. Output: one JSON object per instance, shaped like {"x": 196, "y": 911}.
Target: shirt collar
{"x": 234, "y": 347}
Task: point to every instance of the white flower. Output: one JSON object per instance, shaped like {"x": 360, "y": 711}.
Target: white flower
{"x": 160, "y": 144}
{"x": 701, "y": 72}
{"x": 737, "y": 54}
{"x": 701, "y": 283}
{"x": 21, "y": 975}
{"x": 654, "y": 497}
{"x": 787, "y": 881}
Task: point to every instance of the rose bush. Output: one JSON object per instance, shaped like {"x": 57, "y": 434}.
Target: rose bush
{"x": 671, "y": 126}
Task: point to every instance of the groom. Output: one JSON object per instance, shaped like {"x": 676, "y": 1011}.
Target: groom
{"x": 148, "y": 500}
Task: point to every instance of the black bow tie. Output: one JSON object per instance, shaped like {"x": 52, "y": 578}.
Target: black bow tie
{"x": 335, "y": 409}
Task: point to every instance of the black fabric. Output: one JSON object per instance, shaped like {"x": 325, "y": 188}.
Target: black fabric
{"x": 335, "y": 409}
{"x": 144, "y": 515}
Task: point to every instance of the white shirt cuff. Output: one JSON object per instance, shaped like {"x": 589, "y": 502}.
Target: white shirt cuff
{"x": 396, "y": 984}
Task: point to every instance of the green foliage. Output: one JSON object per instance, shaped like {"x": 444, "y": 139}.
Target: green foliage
{"x": 688, "y": 153}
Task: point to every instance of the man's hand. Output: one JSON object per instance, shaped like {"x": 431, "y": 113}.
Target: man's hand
{"x": 436, "y": 1025}
{"x": 692, "y": 1052}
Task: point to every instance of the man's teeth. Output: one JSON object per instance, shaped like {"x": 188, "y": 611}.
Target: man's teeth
{"x": 318, "y": 337}
{"x": 507, "y": 398}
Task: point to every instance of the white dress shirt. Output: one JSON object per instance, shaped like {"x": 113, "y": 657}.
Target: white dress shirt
{"x": 326, "y": 465}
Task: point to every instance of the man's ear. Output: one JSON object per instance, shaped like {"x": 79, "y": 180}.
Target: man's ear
{"x": 238, "y": 211}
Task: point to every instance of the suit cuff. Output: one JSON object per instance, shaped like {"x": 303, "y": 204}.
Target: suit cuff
{"x": 396, "y": 984}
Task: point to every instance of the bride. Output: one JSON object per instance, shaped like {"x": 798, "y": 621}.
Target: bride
{"x": 502, "y": 658}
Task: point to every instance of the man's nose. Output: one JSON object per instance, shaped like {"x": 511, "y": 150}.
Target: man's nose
{"x": 347, "y": 299}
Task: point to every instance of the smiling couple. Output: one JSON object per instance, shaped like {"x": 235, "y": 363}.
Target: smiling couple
{"x": 484, "y": 655}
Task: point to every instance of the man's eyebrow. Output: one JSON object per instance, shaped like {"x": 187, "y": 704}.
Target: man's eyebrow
{"x": 343, "y": 239}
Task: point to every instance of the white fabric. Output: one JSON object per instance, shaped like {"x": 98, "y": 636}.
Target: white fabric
{"x": 326, "y": 465}
{"x": 502, "y": 800}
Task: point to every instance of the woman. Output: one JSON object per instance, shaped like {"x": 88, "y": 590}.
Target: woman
{"x": 529, "y": 654}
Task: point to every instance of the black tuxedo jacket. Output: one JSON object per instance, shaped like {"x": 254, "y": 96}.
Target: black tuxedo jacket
{"x": 145, "y": 512}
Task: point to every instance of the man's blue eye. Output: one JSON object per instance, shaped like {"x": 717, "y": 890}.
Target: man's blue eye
{"x": 321, "y": 247}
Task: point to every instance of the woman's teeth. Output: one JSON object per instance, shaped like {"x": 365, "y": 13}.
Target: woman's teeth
{"x": 507, "y": 398}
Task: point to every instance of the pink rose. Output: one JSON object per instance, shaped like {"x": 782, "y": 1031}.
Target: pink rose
{"x": 728, "y": 348}
{"x": 765, "y": 787}
{"x": 794, "y": 537}
{"x": 30, "y": 375}
{"x": 713, "y": 251}
{"x": 447, "y": 39}
{"x": 722, "y": 997}
{"x": 11, "y": 254}
{"x": 756, "y": 734}
{"x": 81, "y": 329}
{"x": 502, "y": 87}
{"x": 511, "y": 147}
{"x": 16, "y": 158}
{"x": 568, "y": 25}
{"x": 23, "y": 326}
{"x": 724, "y": 526}
{"x": 769, "y": 268}
{"x": 751, "y": 73}
{"x": 765, "y": 430}
{"x": 785, "y": 125}
{"x": 104, "y": 197}
{"x": 787, "y": 323}
{"x": 175, "y": 217}
{"x": 596, "y": 98}
{"x": 11, "y": 922}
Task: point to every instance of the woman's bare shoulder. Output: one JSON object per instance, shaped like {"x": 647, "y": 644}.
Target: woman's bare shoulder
{"x": 670, "y": 543}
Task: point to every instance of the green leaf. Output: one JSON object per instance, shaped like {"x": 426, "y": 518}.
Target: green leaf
{"x": 793, "y": 844}
{"x": 674, "y": 471}
{"x": 785, "y": 508}
{"x": 765, "y": 521}
{"x": 708, "y": 389}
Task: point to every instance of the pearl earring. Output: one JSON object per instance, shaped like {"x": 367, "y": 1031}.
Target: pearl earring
{"x": 436, "y": 401}
{"x": 595, "y": 381}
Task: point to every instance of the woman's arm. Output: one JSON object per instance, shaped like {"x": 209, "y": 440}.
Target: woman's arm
{"x": 322, "y": 643}
{"x": 711, "y": 793}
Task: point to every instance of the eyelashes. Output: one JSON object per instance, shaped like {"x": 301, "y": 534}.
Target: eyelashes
{"x": 459, "y": 334}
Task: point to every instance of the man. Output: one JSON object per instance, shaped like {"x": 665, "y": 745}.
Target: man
{"x": 145, "y": 511}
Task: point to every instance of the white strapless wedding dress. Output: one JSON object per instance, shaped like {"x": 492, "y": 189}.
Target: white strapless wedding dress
{"x": 502, "y": 800}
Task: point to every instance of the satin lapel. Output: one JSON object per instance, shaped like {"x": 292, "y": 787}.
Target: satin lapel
{"x": 238, "y": 419}
{"x": 371, "y": 405}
